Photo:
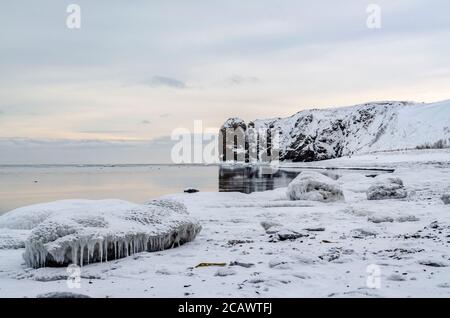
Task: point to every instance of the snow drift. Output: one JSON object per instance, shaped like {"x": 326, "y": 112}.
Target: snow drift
{"x": 87, "y": 231}
{"x": 311, "y": 185}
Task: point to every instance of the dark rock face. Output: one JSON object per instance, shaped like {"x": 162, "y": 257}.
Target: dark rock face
{"x": 313, "y": 135}
{"x": 233, "y": 143}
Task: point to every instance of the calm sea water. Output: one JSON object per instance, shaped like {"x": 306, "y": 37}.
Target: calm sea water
{"x": 25, "y": 185}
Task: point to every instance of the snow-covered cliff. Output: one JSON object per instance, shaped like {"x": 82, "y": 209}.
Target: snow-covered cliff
{"x": 320, "y": 134}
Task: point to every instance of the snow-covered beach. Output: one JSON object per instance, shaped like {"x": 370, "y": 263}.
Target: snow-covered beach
{"x": 339, "y": 248}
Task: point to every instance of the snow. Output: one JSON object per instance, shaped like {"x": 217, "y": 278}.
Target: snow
{"x": 412, "y": 252}
{"x": 311, "y": 185}
{"x": 87, "y": 231}
{"x": 64, "y": 295}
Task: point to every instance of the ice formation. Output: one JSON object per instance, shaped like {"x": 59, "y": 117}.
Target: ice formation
{"x": 311, "y": 185}
{"x": 12, "y": 239}
{"x": 386, "y": 187}
{"x": 86, "y": 231}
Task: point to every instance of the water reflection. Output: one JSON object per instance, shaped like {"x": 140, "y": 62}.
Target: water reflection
{"x": 253, "y": 179}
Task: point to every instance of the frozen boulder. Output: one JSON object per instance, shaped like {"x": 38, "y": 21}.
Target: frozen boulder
{"x": 310, "y": 185}
{"x": 286, "y": 234}
{"x": 222, "y": 272}
{"x": 87, "y": 231}
{"x": 446, "y": 198}
{"x": 386, "y": 188}
{"x": 380, "y": 219}
{"x": 12, "y": 239}
{"x": 267, "y": 224}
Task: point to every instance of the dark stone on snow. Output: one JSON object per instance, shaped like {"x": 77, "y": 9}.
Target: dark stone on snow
{"x": 191, "y": 190}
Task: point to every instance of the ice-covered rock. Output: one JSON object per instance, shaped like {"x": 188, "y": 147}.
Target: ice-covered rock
{"x": 407, "y": 218}
{"x": 446, "y": 198}
{"x": 380, "y": 219}
{"x": 386, "y": 188}
{"x": 311, "y": 185}
{"x": 286, "y": 234}
{"x": 86, "y": 231}
{"x": 12, "y": 239}
{"x": 267, "y": 224}
{"x": 242, "y": 264}
{"x": 279, "y": 263}
{"x": 222, "y": 272}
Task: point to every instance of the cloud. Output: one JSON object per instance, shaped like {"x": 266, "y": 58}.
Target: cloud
{"x": 61, "y": 151}
{"x": 163, "y": 81}
{"x": 239, "y": 79}
{"x": 104, "y": 131}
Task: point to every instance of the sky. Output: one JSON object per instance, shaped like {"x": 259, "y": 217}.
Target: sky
{"x": 137, "y": 70}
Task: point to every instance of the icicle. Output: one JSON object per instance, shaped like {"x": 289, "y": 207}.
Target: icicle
{"x": 81, "y": 254}
{"x": 92, "y": 250}
{"x": 106, "y": 249}
{"x": 100, "y": 251}
{"x": 76, "y": 255}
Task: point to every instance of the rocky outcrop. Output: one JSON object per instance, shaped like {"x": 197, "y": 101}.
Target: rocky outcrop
{"x": 321, "y": 134}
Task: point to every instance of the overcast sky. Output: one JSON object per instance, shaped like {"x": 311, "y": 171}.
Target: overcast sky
{"x": 136, "y": 70}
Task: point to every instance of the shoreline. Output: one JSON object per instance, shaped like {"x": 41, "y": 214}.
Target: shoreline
{"x": 398, "y": 236}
